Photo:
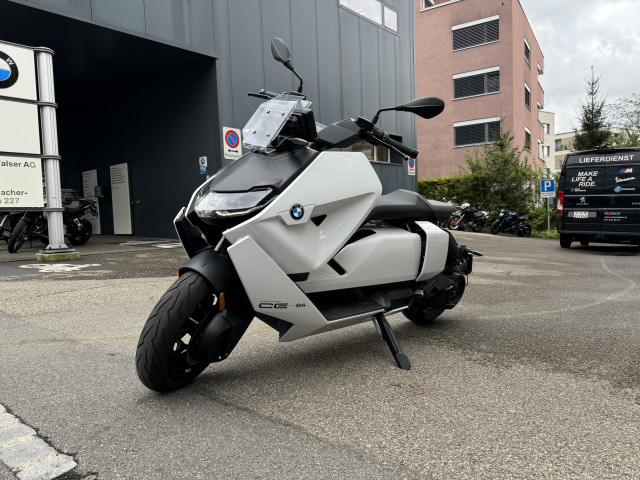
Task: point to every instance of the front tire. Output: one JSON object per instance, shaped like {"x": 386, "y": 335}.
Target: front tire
{"x": 19, "y": 235}
{"x": 495, "y": 228}
{"x": 162, "y": 359}
{"x": 455, "y": 223}
{"x": 565, "y": 241}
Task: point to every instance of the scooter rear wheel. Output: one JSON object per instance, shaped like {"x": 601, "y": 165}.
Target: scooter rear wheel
{"x": 425, "y": 316}
{"x": 162, "y": 357}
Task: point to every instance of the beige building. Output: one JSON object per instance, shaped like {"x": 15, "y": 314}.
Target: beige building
{"x": 482, "y": 58}
{"x": 555, "y": 146}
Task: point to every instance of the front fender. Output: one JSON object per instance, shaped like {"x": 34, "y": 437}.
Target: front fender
{"x": 219, "y": 337}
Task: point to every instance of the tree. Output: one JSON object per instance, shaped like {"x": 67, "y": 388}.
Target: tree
{"x": 499, "y": 176}
{"x": 594, "y": 129}
{"x": 626, "y": 112}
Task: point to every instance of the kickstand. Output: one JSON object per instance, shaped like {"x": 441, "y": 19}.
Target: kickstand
{"x": 384, "y": 328}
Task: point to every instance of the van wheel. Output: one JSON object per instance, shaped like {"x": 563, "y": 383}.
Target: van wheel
{"x": 565, "y": 241}
{"x": 584, "y": 243}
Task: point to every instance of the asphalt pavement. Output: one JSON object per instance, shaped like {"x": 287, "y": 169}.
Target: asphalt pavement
{"x": 534, "y": 375}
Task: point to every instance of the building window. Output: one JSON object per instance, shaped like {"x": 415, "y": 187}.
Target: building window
{"x": 480, "y": 32}
{"x": 527, "y": 96}
{"x": 546, "y": 151}
{"x": 539, "y": 106}
{"x": 476, "y": 132}
{"x": 527, "y": 138}
{"x": 559, "y": 146}
{"x": 527, "y": 52}
{"x": 373, "y": 154}
{"x": 390, "y": 19}
{"x": 427, "y": 3}
{"x": 547, "y": 128}
{"x": 479, "y": 82}
{"x": 370, "y": 9}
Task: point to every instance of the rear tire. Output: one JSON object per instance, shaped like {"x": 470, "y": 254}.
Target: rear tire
{"x": 565, "y": 241}
{"x": 80, "y": 236}
{"x": 425, "y": 316}
{"x": 162, "y": 361}
{"x": 584, "y": 243}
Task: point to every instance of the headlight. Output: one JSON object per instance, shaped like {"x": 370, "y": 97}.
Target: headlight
{"x": 216, "y": 204}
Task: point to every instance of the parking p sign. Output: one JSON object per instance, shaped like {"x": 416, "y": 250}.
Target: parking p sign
{"x": 548, "y": 188}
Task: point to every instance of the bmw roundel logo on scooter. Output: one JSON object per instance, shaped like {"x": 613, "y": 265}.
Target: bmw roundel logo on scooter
{"x": 296, "y": 211}
{"x": 8, "y": 71}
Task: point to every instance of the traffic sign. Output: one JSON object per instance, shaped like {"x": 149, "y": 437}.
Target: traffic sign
{"x": 232, "y": 143}
{"x": 411, "y": 166}
{"x": 548, "y": 188}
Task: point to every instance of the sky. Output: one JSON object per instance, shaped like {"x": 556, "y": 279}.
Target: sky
{"x": 576, "y": 34}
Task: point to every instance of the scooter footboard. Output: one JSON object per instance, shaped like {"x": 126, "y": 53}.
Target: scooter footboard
{"x": 435, "y": 253}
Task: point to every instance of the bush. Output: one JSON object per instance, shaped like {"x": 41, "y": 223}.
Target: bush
{"x": 447, "y": 188}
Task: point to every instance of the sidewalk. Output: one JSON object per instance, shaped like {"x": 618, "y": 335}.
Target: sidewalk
{"x": 97, "y": 245}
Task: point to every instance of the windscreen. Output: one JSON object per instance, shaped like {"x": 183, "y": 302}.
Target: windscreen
{"x": 268, "y": 120}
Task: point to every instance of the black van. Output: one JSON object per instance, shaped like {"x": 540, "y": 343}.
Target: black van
{"x": 599, "y": 197}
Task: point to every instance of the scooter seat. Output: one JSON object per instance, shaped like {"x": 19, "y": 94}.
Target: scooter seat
{"x": 407, "y": 205}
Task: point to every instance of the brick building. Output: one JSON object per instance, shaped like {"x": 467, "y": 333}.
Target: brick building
{"x": 482, "y": 58}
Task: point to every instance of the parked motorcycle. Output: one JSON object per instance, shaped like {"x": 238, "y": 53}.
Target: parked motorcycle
{"x": 468, "y": 217}
{"x": 298, "y": 235}
{"x": 511, "y": 222}
{"x": 77, "y": 227}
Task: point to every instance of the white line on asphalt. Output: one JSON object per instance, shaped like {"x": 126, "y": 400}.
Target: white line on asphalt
{"x": 27, "y": 455}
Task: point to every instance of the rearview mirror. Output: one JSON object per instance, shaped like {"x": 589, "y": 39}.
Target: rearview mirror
{"x": 425, "y": 107}
{"x": 280, "y": 51}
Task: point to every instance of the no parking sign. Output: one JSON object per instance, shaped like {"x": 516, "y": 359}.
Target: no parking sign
{"x": 411, "y": 166}
{"x": 232, "y": 143}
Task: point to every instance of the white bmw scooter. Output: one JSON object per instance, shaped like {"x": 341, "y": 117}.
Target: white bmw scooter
{"x": 297, "y": 234}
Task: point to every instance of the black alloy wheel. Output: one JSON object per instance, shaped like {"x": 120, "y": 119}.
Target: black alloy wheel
{"x": 163, "y": 357}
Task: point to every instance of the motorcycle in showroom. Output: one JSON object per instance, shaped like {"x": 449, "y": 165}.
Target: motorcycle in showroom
{"x": 75, "y": 217}
{"x": 468, "y": 217}
{"x": 511, "y": 222}
{"x": 298, "y": 234}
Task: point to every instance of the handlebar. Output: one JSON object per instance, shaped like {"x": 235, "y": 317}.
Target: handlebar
{"x": 264, "y": 94}
{"x": 377, "y": 135}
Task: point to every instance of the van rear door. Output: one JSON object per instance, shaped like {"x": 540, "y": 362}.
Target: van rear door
{"x": 622, "y": 191}
{"x": 583, "y": 195}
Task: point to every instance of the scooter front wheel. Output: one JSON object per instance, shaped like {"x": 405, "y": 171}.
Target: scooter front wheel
{"x": 495, "y": 228}
{"x": 163, "y": 362}
{"x": 455, "y": 223}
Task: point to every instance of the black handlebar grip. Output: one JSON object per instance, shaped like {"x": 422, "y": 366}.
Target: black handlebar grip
{"x": 268, "y": 93}
{"x": 403, "y": 148}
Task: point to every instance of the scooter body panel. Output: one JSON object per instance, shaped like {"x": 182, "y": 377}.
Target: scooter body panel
{"x": 333, "y": 197}
{"x": 387, "y": 255}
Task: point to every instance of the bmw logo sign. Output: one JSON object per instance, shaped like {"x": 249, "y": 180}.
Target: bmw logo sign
{"x": 296, "y": 211}
{"x": 8, "y": 71}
